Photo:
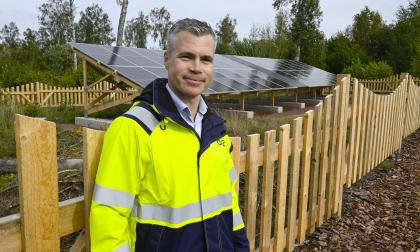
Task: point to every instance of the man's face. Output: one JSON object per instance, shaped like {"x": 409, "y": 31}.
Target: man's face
{"x": 190, "y": 65}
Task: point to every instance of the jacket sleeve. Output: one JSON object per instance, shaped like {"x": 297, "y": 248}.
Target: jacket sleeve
{"x": 116, "y": 185}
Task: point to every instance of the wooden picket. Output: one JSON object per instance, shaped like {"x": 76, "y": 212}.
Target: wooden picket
{"x": 347, "y": 135}
{"x": 52, "y": 96}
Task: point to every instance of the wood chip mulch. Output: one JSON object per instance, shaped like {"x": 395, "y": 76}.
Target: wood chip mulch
{"x": 381, "y": 212}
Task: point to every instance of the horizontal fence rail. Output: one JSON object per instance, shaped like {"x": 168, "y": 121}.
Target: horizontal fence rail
{"x": 290, "y": 186}
{"x": 52, "y": 96}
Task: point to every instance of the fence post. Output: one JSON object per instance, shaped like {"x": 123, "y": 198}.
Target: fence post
{"x": 405, "y": 78}
{"x": 85, "y": 88}
{"x": 38, "y": 184}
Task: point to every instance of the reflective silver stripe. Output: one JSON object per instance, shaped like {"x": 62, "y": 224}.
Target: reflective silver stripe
{"x": 112, "y": 197}
{"x": 237, "y": 219}
{"x": 144, "y": 115}
{"x": 123, "y": 248}
{"x": 184, "y": 213}
{"x": 232, "y": 175}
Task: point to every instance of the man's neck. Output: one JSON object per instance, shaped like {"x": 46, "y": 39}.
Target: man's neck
{"x": 192, "y": 103}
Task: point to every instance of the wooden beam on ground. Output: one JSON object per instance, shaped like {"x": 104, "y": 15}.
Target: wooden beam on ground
{"x": 71, "y": 219}
{"x": 36, "y": 147}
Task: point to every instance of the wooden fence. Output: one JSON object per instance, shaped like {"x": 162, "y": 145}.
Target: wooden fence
{"x": 51, "y": 96}
{"x": 301, "y": 176}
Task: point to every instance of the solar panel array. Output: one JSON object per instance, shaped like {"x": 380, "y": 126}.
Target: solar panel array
{"x": 231, "y": 73}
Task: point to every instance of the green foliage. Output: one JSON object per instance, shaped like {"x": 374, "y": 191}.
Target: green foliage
{"x": 33, "y": 110}
{"x": 58, "y": 58}
{"x": 366, "y": 31}
{"x": 135, "y": 33}
{"x": 160, "y": 20}
{"x": 56, "y": 20}
{"x": 225, "y": 30}
{"x": 94, "y": 26}
{"x": 9, "y": 35}
{"x": 14, "y": 73}
{"x": 387, "y": 165}
{"x": 63, "y": 113}
{"x": 373, "y": 70}
{"x": 341, "y": 53}
{"x": 7, "y": 138}
{"x": 112, "y": 112}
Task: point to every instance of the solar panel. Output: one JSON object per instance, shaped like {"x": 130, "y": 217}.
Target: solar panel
{"x": 231, "y": 73}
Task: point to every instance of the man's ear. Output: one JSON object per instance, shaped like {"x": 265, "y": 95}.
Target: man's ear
{"x": 166, "y": 59}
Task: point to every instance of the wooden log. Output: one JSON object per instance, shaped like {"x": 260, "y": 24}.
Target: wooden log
{"x": 38, "y": 184}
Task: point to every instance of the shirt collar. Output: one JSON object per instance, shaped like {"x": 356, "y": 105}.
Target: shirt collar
{"x": 181, "y": 106}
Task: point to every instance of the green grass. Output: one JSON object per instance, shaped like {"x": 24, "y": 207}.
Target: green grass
{"x": 239, "y": 127}
{"x": 61, "y": 114}
{"x": 387, "y": 165}
{"x": 6, "y": 179}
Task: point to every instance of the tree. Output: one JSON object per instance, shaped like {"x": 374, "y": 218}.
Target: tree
{"x": 304, "y": 29}
{"x": 160, "y": 21}
{"x": 94, "y": 26}
{"x": 226, "y": 34}
{"x": 123, "y": 14}
{"x": 366, "y": 32}
{"x": 404, "y": 39}
{"x": 9, "y": 35}
{"x": 342, "y": 52}
{"x": 373, "y": 70}
{"x": 136, "y": 31}
{"x": 56, "y": 21}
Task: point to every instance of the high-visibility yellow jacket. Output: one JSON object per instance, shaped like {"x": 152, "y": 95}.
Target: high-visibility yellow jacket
{"x": 159, "y": 187}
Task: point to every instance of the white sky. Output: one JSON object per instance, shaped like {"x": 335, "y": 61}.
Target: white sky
{"x": 337, "y": 14}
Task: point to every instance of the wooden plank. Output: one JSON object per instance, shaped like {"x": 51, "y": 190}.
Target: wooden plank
{"x": 357, "y": 145}
{"x": 283, "y": 158}
{"x": 374, "y": 126}
{"x": 352, "y": 143}
{"x": 323, "y": 166}
{"x": 369, "y": 127}
{"x": 251, "y": 187}
{"x": 341, "y": 130}
{"x": 304, "y": 175}
{"x": 381, "y": 130}
{"x": 343, "y": 165}
{"x": 38, "y": 184}
{"x": 70, "y": 218}
{"x": 10, "y": 233}
{"x": 92, "y": 148}
{"x": 267, "y": 190}
{"x": 293, "y": 185}
{"x": 315, "y": 161}
{"x": 360, "y": 165}
{"x": 332, "y": 154}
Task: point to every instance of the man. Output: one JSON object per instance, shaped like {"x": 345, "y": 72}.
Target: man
{"x": 166, "y": 181}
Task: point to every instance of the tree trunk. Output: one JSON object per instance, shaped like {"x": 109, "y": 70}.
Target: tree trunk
{"x": 122, "y": 22}
{"x": 297, "y": 58}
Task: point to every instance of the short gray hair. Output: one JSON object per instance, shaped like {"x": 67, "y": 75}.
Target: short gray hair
{"x": 194, "y": 26}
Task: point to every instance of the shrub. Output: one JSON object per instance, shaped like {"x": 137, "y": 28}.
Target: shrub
{"x": 373, "y": 70}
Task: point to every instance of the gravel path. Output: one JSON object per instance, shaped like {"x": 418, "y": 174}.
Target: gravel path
{"x": 381, "y": 212}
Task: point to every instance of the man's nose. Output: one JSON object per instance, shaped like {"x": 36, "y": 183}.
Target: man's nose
{"x": 196, "y": 66}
